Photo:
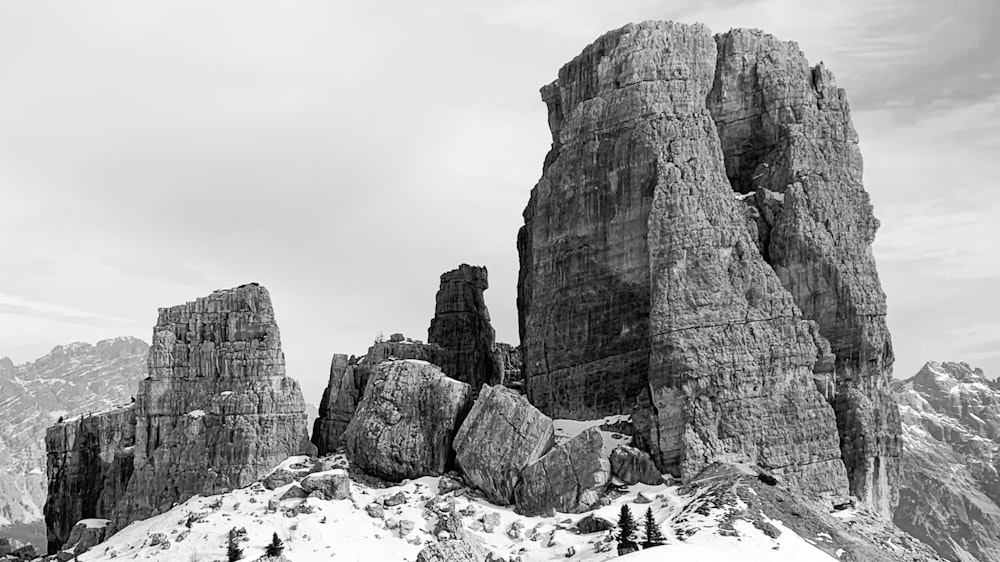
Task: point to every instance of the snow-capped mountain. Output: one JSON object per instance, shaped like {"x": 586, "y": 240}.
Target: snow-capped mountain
{"x": 71, "y": 379}
{"x": 950, "y": 484}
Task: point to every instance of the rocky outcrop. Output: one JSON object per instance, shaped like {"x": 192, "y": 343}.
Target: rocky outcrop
{"x": 451, "y": 551}
{"x": 406, "y": 421}
{"x": 217, "y": 411}
{"x": 950, "y": 480}
{"x": 631, "y": 466}
{"x": 90, "y": 461}
{"x": 69, "y": 381}
{"x": 642, "y": 288}
{"x": 461, "y": 342}
{"x": 461, "y": 325}
{"x": 509, "y": 359}
{"x": 570, "y": 478}
{"x": 790, "y": 147}
{"x": 502, "y": 434}
{"x": 348, "y": 378}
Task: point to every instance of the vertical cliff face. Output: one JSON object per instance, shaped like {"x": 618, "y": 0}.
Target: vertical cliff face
{"x": 660, "y": 275}
{"x": 790, "y": 147}
{"x": 461, "y": 325}
{"x": 217, "y": 411}
{"x": 89, "y": 463}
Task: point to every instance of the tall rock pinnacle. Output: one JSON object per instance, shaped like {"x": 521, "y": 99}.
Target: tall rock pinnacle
{"x": 217, "y": 411}
{"x": 722, "y": 290}
{"x": 461, "y": 325}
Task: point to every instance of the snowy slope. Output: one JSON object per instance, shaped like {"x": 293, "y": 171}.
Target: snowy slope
{"x": 315, "y": 529}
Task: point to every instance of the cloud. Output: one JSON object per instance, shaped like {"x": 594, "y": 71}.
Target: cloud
{"x": 15, "y": 305}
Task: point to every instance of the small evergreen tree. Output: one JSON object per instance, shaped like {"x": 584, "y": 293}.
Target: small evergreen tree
{"x": 276, "y": 547}
{"x": 233, "y": 550}
{"x": 626, "y": 532}
{"x": 653, "y": 535}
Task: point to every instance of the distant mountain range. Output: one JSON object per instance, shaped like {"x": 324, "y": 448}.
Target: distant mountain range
{"x": 950, "y": 484}
{"x": 70, "y": 380}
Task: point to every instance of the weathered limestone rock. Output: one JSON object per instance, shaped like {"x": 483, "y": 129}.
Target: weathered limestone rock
{"x": 509, "y": 359}
{"x": 451, "y": 551}
{"x": 89, "y": 465}
{"x": 790, "y": 146}
{"x": 462, "y": 344}
{"x": 631, "y": 466}
{"x": 85, "y": 535}
{"x": 217, "y": 411}
{"x": 502, "y": 434}
{"x": 641, "y": 288}
{"x": 950, "y": 479}
{"x": 461, "y": 325}
{"x": 348, "y": 378}
{"x": 570, "y": 478}
{"x": 405, "y": 424}
{"x": 329, "y": 485}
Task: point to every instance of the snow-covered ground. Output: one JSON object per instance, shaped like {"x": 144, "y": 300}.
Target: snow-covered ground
{"x": 314, "y": 529}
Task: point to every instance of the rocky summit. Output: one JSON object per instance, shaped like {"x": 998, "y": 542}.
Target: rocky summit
{"x": 216, "y": 412}
{"x": 697, "y": 253}
{"x": 950, "y": 482}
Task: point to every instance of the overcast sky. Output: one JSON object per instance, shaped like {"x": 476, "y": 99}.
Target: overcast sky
{"x": 345, "y": 154}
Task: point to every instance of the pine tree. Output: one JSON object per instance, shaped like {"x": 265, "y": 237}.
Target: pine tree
{"x": 653, "y": 535}
{"x": 626, "y": 532}
{"x": 233, "y": 550}
{"x": 276, "y": 547}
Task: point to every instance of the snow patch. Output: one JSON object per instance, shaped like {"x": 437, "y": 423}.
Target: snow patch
{"x": 196, "y": 414}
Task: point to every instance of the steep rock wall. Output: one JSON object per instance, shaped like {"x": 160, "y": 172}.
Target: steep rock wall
{"x": 790, "y": 146}
{"x": 89, "y": 463}
{"x": 217, "y": 411}
{"x": 649, "y": 284}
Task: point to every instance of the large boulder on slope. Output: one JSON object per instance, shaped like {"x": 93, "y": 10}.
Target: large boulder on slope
{"x": 631, "y": 466}
{"x": 406, "y": 421}
{"x": 570, "y": 478}
{"x": 502, "y": 434}
{"x": 451, "y": 551}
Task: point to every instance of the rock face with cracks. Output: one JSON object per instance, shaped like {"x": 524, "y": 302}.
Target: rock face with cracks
{"x": 217, "y": 411}
{"x": 406, "y": 421}
{"x": 570, "y": 478}
{"x": 89, "y": 464}
{"x": 502, "y": 434}
{"x": 697, "y": 253}
{"x": 461, "y": 325}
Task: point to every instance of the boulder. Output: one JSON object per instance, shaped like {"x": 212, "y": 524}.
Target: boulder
{"x": 569, "y": 478}
{"x": 451, "y": 551}
{"x": 406, "y": 421}
{"x": 593, "y": 524}
{"x": 631, "y": 466}
{"x": 502, "y": 434}
{"x": 331, "y": 485}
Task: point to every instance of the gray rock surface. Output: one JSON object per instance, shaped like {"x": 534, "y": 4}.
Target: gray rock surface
{"x": 217, "y": 411}
{"x": 461, "y": 325}
{"x": 90, "y": 461}
{"x": 631, "y": 466}
{"x": 330, "y": 485}
{"x": 950, "y": 481}
{"x": 71, "y": 380}
{"x": 451, "y": 551}
{"x": 570, "y": 478}
{"x": 348, "y": 378}
{"x": 502, "y": 434}
{"x": 790, "y": 145}
{"x": 642, "y": 289}
{"x": 406, "y": 421}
